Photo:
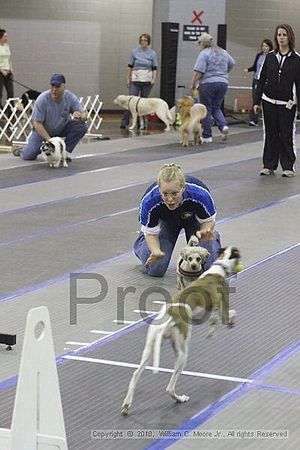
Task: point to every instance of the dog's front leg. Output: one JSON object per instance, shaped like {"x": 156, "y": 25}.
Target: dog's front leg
{"x": 147, "y": 352}
{"x": 142, "y": 123}
{"x": 56, "y": 164}
{"x": 232, "y": 318}
{"x": 181, "y": 350}
{"x": 179, "y": 285}
{"x": 134, "y": 121}
{"x": 213, "y": 322}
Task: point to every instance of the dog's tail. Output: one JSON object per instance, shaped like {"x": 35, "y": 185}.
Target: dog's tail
{"x": 193, "y": 241}
{"x": 157, "y": 345}
{"x": 171, "y": 113}
{"x": 198, "y": 112}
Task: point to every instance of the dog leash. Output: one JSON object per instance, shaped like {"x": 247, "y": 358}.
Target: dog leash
{"x": 21, "y": 84}
{"x": 136, "y": 106}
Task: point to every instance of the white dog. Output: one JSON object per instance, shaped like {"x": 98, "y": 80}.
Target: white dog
{"x": 139, "y": 106}
{"x": 190, "y": 263}
{"x": 54, "y": 151}
{"x": 210, "y": 292}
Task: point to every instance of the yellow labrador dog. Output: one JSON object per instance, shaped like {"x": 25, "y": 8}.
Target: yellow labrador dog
{"x": 190, "y": 114}
{"x": 209, "y": 292}
{"x": 139, "y": 106}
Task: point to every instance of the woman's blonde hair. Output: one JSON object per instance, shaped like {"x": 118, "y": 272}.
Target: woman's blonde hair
{"x": 171, "y": 172}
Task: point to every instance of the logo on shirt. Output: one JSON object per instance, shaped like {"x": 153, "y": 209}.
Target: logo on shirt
{"x": 187, "y": 215}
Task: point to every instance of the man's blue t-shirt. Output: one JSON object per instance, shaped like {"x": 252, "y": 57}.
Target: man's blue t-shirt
{"x": 53, "y": 115}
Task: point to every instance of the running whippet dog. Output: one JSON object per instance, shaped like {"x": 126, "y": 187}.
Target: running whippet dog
{"x": 209, "y": 292}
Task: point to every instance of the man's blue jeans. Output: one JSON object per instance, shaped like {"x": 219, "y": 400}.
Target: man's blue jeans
{"x": 72, "y": 132}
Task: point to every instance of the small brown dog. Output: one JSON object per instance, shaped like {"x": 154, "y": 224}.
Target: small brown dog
{"x": 191, "y": 114}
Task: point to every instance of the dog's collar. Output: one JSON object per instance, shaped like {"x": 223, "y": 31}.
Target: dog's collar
{"x": 137, "y": 103}
{"x": 223, "y": 265}
{"x": 129, "y": 101}
{"x": 187, "y": 274}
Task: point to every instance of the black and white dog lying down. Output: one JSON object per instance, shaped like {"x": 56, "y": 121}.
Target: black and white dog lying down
{"x": 54, "y": 152}
{"x": 210, "y": 293}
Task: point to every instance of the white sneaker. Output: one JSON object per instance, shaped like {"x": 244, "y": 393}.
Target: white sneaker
{"x": 206, "y": 140}
{"x": 225, "y": 131}
{"x": 288, "y": 173}
{"x": 266, "y": 171}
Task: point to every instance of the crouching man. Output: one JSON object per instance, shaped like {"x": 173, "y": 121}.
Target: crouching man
{"x": 52, "y": 117}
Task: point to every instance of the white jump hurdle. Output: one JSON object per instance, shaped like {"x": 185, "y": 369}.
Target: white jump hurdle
{"x": 37, "y": 422}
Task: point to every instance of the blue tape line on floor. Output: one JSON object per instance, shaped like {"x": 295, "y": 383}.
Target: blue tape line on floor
{"x": 228, "y": 399}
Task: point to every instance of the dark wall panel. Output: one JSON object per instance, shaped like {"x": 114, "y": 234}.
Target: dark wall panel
{"x": 169, "y": 46}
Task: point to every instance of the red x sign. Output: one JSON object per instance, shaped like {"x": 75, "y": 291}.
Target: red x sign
{"x": 197, "y": 17}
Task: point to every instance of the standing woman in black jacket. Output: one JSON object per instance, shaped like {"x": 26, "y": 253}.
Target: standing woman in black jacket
{"x": 278, "y": 92}
{"x": 266, "y": 46}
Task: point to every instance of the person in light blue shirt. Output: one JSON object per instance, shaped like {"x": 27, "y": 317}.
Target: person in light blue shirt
{"x": 210, "y": 76}
{"x": 141, "y": 72}
{"x": 51, "y": 117}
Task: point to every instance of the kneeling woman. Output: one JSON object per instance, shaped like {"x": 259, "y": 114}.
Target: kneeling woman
{"x": 173, "y": 203}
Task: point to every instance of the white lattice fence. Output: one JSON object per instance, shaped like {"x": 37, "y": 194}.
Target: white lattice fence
{"x": 92, "y": 106}
{"x": 16, "y": 123}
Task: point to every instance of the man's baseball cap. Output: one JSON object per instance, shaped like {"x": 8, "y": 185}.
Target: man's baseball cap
{"x": 57, "y": 79}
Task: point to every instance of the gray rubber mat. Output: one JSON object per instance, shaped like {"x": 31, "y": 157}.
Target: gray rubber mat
{"x": 53, "y": 239}
{"x": 267, "y": 321}
{"x": 41, "y": 172}
{"x": 273, "y": 411}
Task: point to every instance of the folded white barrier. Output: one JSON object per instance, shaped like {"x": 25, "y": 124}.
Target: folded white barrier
{"x": 38, "y": 421}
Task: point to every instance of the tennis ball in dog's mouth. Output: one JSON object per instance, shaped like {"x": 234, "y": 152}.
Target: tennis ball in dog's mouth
{"x": 239, "y": 267}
